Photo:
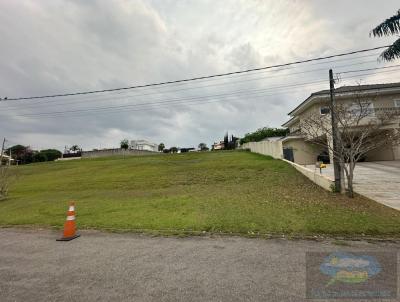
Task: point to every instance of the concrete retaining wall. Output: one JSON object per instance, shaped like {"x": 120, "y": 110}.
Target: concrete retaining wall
{"x": 304, "y": 153}
{"x": 319, "y": 179}
{"x": 273, "y": 149}
{"x": 115, "y": 152}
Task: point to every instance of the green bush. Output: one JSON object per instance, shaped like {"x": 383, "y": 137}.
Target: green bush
{"x": 262, "y": 133}
{"x": 39, "y": 157}
{"x": 51, "y": 154}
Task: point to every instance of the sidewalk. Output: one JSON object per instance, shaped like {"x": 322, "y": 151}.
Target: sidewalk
{"x": 379, "y": 181}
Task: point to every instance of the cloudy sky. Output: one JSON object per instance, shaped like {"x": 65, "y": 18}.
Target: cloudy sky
{"x": 54, "y": 46}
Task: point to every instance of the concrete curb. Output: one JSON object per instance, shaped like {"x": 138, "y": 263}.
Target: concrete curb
{"x": 191, "y": 233}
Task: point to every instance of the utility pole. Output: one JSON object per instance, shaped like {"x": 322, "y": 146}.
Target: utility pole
{"x": 2, "y": 150}
{"x": 9, "y": 160}
{"x": 335, "y": 134}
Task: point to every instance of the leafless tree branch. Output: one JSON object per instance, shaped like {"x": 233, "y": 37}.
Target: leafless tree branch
{"x": 362, "y": 129}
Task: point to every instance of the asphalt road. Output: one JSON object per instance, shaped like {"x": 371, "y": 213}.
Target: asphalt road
{"x": 128, "y": 267}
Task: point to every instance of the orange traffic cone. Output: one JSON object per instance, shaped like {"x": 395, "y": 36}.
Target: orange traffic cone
{"x": 69, "y": 226}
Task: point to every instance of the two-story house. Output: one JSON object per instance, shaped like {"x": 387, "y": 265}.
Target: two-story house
{"x": 143, "y": 145}
{"x": 379, "y": 97}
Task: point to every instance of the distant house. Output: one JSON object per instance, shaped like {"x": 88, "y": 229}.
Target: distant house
{"x": 226, "y": 144}
{"x": 6, "y": 160}
{"x": 144, "y": 145}
{"x": 218, "y": 146}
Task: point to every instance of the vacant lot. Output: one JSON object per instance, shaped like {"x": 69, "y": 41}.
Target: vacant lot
{"x": 235, "y": 192}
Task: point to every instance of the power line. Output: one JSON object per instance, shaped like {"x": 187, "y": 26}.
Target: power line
{"x": 235, "y": 93}
{"x": 245, "y": 93}
{"x": 197, "y": 78}
{"x": 240, "y": 93}
{"x": 192, "y": 103}
{"x": 159, "y": 106}
{"x": 368, "y": 69}
{"x": 276, "y": 70}
{"x": 126, "y": 97}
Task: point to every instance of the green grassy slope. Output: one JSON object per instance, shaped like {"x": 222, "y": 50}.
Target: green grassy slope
{"x": 210, "y": 191}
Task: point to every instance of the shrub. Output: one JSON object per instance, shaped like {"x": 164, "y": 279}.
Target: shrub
{"x": 262, "y": 133}
{"x": 39, "y": 157}
{"x": 124, "y": 144}
{"x": 51, "y": 154}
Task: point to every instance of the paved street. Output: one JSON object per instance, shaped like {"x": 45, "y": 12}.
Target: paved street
{"x": 379, "y": 181}
{"x": 128, "y": 267}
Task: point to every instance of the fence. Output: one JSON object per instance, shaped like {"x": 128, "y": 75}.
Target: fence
{"x": 115, "y": 152}
{"x": 274, "y": 149}
{"x": 271, "y": 148}
{"x": 70, "y": 155}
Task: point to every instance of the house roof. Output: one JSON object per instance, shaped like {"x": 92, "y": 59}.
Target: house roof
{"x": 290, "y": 122}
{"x": 142, "y": 142}
{"x": 345, "y": 90}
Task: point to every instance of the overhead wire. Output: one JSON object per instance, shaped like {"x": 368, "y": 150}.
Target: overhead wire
{"x": 127, "y": 97}
{"x": 184, "y": 101}
{"x": 197, "y": 78}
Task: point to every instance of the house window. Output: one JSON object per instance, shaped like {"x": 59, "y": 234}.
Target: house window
{"x": 397, "y": 103}
{"x": 324, "y": 110}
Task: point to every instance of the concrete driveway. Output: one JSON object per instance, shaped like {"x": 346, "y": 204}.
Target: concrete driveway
{"x": 127, "y": 267}
{"x": 379, "y": 181}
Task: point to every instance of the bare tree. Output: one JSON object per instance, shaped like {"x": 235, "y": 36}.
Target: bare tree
{"x": 362, "y": 128}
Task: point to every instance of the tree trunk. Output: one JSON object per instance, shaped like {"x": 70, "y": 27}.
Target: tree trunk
{"x": 350, "y": 179}
{"x": 342, "y": 182}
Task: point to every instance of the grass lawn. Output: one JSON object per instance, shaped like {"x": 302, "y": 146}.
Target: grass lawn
{"x": 237, "y": 192}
